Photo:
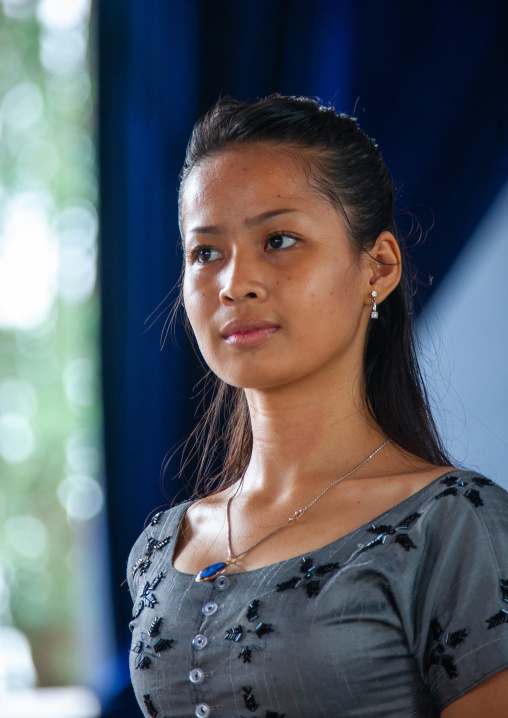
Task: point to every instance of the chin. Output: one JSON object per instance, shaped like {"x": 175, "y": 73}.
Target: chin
{"x": 260, "y": 380}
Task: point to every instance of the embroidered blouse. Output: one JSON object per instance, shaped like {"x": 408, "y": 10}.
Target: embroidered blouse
{"x": 398, "y": 618}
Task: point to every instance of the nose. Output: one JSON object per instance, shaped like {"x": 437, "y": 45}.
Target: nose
{"x": 243, "y": 280}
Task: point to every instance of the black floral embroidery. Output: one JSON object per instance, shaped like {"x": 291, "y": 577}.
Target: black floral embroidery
{"x": 150, "y": 544}
{"x": 482, "y": 481}
{"x": 293, "y": 582}
{"x": 383, "y": 531}
{"x": 312, "y": 586}
{"x": 405, "y": 541}
{"x": 263, "y": 628}
{"x": 501, "y": 617}
{"x": 309, "y": 580}
{"x": 143, "y": 662}
{"x": 156, "y": 518}
{"x": 147, "y": 597}
{"x": 234, "y": 634}
{"x": 249, "y": 700}
{"x": 307, "y": 565}
{"x": 146, "y": 652}
{"x": 150, "y": 708}
{"x": 154, "y": 629}
{"x": 452, "y": 480}
{"x": 144, "y": 562}
{"x": 252, "y": 611}
{"x": 408, "y": 521}
{"x": 245, "y": 654}
{"x": 162, "y": 644}
{"x": 310, "y": 571}
{"x": 503, "y": 584}
{"x": 160, "y": 544}
{"x": 473, "y": 495}
{"x": 453, "y": 639}
{"x": 437, "y": 654}
{"x": 142, "y": 565}
{"x": 498, "y": 619}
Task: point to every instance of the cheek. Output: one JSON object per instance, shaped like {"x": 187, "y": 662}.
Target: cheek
{"x": 329, "y": 303}
{"x": 330, "y": 288}
{"x": 194, "y": 305}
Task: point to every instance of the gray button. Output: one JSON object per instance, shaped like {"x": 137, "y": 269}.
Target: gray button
{"x": 202, "y": 710}
{"x": 196, "y": 676}
{"x": 221, "y": 583}
{"x": 209, "y": 608}
{"x": 199, "y": 641}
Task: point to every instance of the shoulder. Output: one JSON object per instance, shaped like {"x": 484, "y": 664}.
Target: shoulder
{"x": 152, "y": 539}
{"x": 457, "y": 501}
{"x": 459, "y": 518}
{"x": 464, "y": 500}
{"x": 455, "y": 601}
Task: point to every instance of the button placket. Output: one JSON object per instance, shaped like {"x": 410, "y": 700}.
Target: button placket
{"x": 196, "y": 676}
{"x": 199, "y": 642}
{"x": 221, "y": 583}
{"x": 202, "y": 710}
{"x": 209, "y": 608}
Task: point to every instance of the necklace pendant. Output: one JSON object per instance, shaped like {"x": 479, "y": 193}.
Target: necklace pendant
{"x": 211, "y": 572}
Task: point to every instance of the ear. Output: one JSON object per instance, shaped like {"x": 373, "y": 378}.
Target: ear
{"x": 383, "y": 266}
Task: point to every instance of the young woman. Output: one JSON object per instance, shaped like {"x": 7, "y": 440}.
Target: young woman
{"x": 342, "y": 567}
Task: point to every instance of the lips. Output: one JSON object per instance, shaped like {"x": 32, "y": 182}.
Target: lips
{"x": 248, "y": 332}
{"x": 244, "y": 326}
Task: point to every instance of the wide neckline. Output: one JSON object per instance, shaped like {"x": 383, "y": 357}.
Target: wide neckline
{"x": 458, "y": 473}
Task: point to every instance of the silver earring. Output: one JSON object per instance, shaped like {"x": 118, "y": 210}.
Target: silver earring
{"x": 374, "y": 313}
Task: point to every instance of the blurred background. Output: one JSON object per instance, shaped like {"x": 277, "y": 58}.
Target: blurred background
{"x": 97, "y": 101}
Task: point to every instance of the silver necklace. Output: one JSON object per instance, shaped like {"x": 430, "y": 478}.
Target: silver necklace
{"x": 216, "y": 569}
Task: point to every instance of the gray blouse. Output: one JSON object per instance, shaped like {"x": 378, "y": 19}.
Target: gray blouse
{"x": 399, "y": 618}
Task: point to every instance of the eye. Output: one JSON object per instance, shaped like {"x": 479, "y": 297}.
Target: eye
{"x": 204, "y": 255}
{"x": 281, "y": 241}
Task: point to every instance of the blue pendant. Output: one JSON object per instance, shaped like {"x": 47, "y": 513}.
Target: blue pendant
{"x": 211, "y": 572}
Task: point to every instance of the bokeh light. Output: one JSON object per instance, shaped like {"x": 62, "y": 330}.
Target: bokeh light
{"x": 81, "y": 496}
{"x": 28, "y": 536}
{"x": 50, "y": 417}
{"x": 29, "y": 263}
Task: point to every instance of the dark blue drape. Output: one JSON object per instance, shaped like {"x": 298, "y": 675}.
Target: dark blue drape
{"x": 426, "y": 79}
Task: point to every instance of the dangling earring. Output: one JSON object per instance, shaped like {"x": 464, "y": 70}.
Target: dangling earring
{"x": 374, "y": 313}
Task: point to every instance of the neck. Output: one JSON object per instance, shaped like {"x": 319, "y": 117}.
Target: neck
{"x": 303, "y": 439}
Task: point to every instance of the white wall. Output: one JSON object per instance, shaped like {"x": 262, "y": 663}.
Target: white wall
{"x": 465, "y": 344}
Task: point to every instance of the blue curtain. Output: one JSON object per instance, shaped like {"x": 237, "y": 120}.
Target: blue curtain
{"x": 426, "y": 79}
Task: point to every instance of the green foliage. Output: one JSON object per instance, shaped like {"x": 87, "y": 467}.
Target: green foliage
{"x": 50, "y": 413}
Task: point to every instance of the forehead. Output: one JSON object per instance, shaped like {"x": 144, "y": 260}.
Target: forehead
{"x": 252, "y": 176}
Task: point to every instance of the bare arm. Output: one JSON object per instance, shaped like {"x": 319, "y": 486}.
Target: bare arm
{"x": 488, "y": 700}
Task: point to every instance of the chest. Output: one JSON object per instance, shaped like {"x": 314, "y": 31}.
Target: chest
{"x": 301, "y": 638}
{"x": 264, "y": 536}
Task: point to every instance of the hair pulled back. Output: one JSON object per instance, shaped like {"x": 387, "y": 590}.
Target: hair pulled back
{"x": 346, "y": 167}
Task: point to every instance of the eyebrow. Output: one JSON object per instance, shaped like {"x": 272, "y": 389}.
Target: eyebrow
{"x": 249, "y": 222}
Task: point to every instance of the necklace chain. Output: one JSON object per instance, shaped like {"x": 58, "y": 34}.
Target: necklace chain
{"x": 297, "y": 514}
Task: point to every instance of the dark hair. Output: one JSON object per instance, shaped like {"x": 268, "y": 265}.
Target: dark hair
{"x": 345, "y": 166}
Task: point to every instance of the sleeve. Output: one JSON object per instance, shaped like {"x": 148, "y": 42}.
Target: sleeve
{"x": 137, "y": 557}
{"x": 152, "y": 540}
{"x": 460, "y": 591}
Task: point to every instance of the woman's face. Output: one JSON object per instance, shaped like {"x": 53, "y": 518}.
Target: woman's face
{"x": 272, "y": 288}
